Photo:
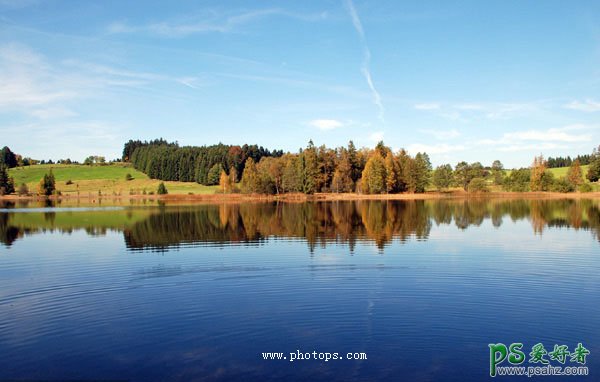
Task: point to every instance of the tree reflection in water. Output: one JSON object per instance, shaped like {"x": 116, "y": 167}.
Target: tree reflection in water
{"x": 318, "y": 223}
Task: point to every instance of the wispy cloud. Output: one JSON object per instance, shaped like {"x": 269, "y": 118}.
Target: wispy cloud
{"x": 33, "y": 85}
{"x": 326, "y": 124}
{"x": 553, "y": 138}
{"x": 365, "y": 69}
{"x": 27, "y": 81}
{"x": 299, "y": 82}
{"x": 209, "y": 22}
{"x": 478, "y": 110}
{"x": 588, "y": 105}
{"x": 427, "y": 106}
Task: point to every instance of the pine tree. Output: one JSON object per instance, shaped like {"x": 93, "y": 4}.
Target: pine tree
{"x": 162, "y": 189}
{"x": 47, "y": 184}
{"x": 309, "y": 169}
{"x": 7, "y": 184}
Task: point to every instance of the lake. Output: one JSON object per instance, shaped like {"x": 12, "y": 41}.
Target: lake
{"x": 420, "y": 289}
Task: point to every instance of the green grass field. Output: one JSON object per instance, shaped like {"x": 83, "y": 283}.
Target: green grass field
{"x": 560, "y": 172}
{"x": 108, "y": 180}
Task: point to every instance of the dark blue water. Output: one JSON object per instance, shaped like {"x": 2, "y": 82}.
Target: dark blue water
{"x": 199, "y": 293}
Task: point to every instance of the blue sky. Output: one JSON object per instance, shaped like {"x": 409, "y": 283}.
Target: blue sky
{"x": 461, "y": 80}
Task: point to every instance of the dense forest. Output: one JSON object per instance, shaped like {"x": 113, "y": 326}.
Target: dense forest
{"x": 312, "y": 169}
{"x": 162, "y": 160}
{"x": 252, "y": 169}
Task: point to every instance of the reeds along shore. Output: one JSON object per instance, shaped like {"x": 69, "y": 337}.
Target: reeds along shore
{"x": 299, "y": 197}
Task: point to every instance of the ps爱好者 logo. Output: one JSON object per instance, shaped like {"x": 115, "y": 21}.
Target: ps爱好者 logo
{"x": 558, "y": 360}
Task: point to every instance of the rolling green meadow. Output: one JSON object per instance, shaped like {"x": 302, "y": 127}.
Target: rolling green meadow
{"x": 107, "y": 179}
{"x": 110, "y": 180}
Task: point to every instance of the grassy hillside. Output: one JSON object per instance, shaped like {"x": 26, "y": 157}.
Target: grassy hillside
{"x": 560, "y": 172}
{"x": 109, "y": 180}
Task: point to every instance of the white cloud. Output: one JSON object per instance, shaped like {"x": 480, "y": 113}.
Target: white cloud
{"x": 588, "y": 105}
{"x": 209, "y": 22}
{"x": 32, "y": 85}
{"x": 53, "y": 112}
{"x": 535, "y": 147}
{"x": 27, "y": 81}
{"x": 539, "y": 140}
{"x": 477, "y": 110}
{"x": 326, "y": 124}
{"x": 434, "y": 149}
{"x": 557, "y": 135}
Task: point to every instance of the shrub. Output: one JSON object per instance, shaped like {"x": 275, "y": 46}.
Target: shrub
{"x": 68, "y": 182}
{"x": 562, "y": 185}
{"x": 477, "y": 185}
{"x": 518, "y": 180}
{"x": 162, "y": 190}
{"x": 23, "y": 189}
{"x": 585, "y": 187}
{"x": 128, "y": 177}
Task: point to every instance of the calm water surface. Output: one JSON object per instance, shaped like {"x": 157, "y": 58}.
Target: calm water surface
{"x": 177, "y": 293}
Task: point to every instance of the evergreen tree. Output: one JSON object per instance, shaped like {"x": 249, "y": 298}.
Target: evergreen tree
{"x": 309, "y": 169}
{"x": 356, "y": 168}
{"x": 47, "y": 184}
{"x": 593, "y": 174}
{"x": 7, "y": 184}
{"x": 162, "y": 189}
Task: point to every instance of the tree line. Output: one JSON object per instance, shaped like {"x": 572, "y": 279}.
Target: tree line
{"x": 162, "y": 160}
{"x": 584, "y": 160}
{"x": 252, "y": 169}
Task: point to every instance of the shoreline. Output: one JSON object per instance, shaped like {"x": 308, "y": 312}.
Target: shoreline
{"x": 297, "y": 197}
